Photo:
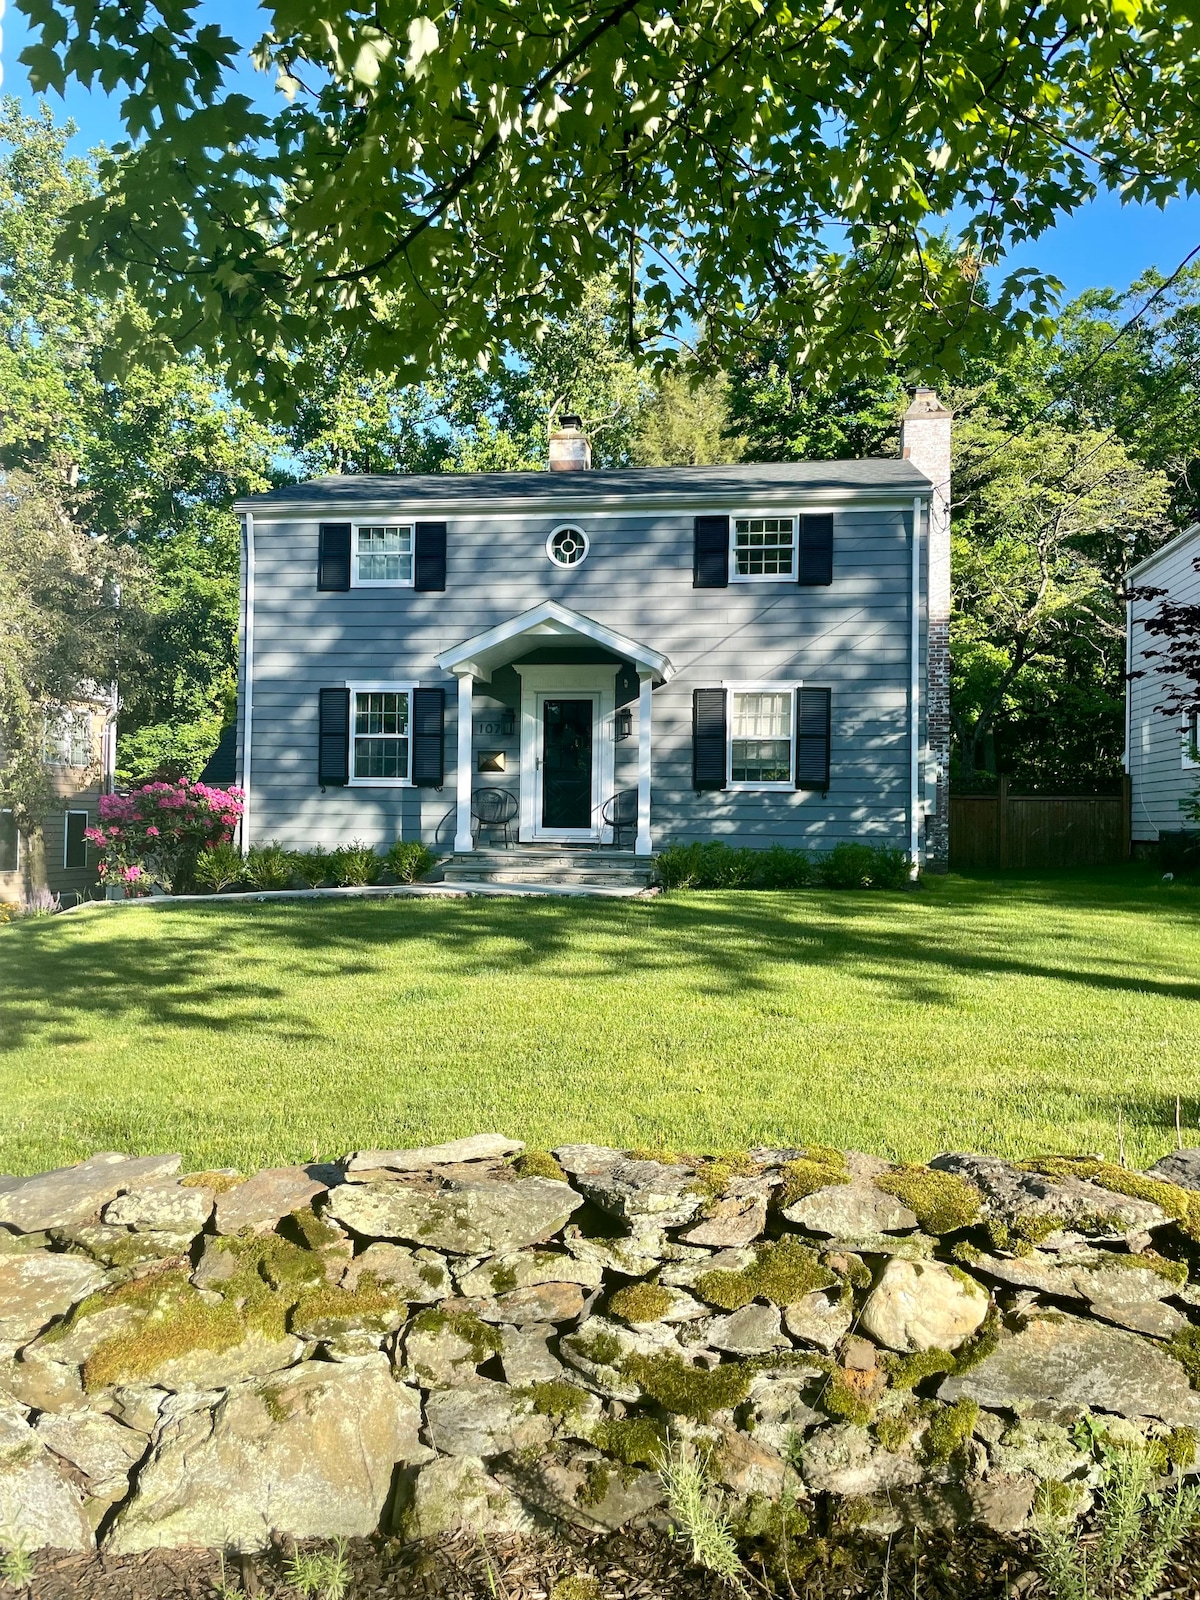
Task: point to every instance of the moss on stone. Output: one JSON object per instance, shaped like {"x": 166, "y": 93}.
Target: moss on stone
{"x": 504, "y": 1277}
{"x": 1185, "y": 1347}
{"x": 314, "y": 1231}
{"x": 818, "y": 1168}
{"x": 576, "y": 1587}
{"x": 949, "y": 1429}
{"x": 480, "y": 1338}
{"x": 981, "y": 1344}
{"x": 218, "y": 1182}
{"x": 941, "y": 1201}
{"x": 1175, "y": 1272}
{"x": 685, "y": 1390}
{"x": 597, "y": 1476}
{"x": 178, "y": 1323}
{"x": 600, "y": 1347}
{"x": 635, "y": 1441}
{"x": 325, "y": 1310}
{"x": 1181, "y": 1448}
{"x": 895, "y": 1430}
{"x": 714, "y": 1175}
{"x": 781, "y": 1273}
{"x": 1055, "y": 1501}
{"x": 556, "y": 1398}
{"x": 906, "y": 1372}
{"x": 856, "y": 1273}
{"x": 839, "y": 1398}
{"x": 641, "y": 1302}
{"x": 539, "y": 1164}
{"x": 1181, "y": 1204}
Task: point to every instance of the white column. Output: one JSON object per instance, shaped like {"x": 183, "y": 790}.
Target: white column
{"x": 462, "y": 832}
{"x": 642, "y": 845}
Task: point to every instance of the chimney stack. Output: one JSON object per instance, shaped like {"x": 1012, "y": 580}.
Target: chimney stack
{"x": 570, "y": 448}
{"x": 925, "y": 441}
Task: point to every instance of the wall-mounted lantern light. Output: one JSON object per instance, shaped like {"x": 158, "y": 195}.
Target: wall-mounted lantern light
{"x": 624, "y": 722}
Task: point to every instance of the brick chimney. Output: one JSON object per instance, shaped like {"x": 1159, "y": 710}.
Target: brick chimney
{"x": 925, "y": 441}
{"x": 570, "y": 448}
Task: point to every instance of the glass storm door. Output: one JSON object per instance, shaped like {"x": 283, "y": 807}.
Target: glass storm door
{"x": 567, "y": 763}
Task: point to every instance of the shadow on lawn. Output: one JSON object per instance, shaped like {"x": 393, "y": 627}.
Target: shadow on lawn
{"x": 221, "y": 969}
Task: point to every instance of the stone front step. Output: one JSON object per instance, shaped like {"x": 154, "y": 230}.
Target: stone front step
{"x": 548, "y": 865}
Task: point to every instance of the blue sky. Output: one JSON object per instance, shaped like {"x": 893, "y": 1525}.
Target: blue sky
{"x": 1104, "y": 245}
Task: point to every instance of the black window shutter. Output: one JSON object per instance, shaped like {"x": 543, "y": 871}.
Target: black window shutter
{"x": 428, "y": 737}
{"x": 333, "y": 556}
{"x": 710, "y": 560}
{"x": 429, "y": 561}
{"x": 75, "y": 845}
{"x": 812, "y": 739}
{"x": 333, "y": 737}
{"x": 708, "y": 738}
{"x": 816, "y": 550}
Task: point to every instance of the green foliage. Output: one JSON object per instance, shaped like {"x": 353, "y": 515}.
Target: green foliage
{"x": 557, "y": 1398}
{"x": 942, "y": 1201}
{"x": 686, "y": 1390}
{"x": 687, "y": 424}
{"x": 17, "y": 1564}
{"x": 217, "y": 867}
{"x": 355, "y": 865}
{"x": 641, "y": 1302}
{"x": 906, "y": 1372}
{"x": 691, "y": 1502}
{"x": 320, "y": 1574}
{"x": 408, "y": 859}
{"x": 949, "y": 1429}
{"x": 268, "y": 866}
{"x": 781, "y": 1273}
{"x": 634, "y": 1441}
{"x": 864, "y": 866}
{"x": 717, "y": 865}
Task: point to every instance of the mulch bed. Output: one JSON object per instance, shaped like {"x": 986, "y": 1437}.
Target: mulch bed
{"x": 627, "y": 1566}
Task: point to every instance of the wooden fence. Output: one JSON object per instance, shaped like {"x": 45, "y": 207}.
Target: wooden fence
{"x": 1033, "y": 831}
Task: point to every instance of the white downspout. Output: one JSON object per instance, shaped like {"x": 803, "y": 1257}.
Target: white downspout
{"x": 1128, "y": 759}
{"x": 914, "y": 694}
{"x": 248, "y": 697}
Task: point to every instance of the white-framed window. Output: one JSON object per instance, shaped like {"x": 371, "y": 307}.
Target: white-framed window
{"x": 75, "y": 845}
{"x": 67, "y": 740}
{"x": 382, "y": 555}
{"x": 10, "y": 842}
{"x": 1190, "y": 731}
{"x": 762, "y": 735}
{"x": 381, "y": 733}
{"x": 762, "y": 548}
{"x": 568, "y": 546}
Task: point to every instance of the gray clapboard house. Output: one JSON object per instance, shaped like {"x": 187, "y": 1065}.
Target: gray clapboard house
{"x": 629, "y": 657}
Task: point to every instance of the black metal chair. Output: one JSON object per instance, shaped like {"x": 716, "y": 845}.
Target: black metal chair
{"x": 494, "y": 808}
{"x": 621, "y": 814}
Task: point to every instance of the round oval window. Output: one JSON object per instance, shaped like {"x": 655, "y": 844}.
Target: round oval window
{"x": 567, "y": 547}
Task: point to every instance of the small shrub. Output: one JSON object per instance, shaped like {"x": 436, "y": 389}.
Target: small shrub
{"x": 717, "y": 865}
{"x": 16, "y": 1565}
{"x": 217, "y": 867}
{"x": 314, "y": 866}
{"x": 409, "y": 859}
{"x": 268, "y": 866}
{"x": 692, "y": 1504}
{"x": 355, "y": 865}
{"x": 320, "y": 1574}
{"x": 854, "y": 865}
{"x": 41, "y": 903}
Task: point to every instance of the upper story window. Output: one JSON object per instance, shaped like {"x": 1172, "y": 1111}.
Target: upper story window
{"x": 763, "y": 547}
{"x": 67, "y": 741}
{"x": 567, "y": 547}
{"x": 381, "y": 749}
{"x": 383, "y": 554}
{"x": 762, "y": 728}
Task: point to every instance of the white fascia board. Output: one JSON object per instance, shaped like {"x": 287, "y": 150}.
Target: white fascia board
{"x": 1168, "y": 549}
{"x": 548, "y": 620}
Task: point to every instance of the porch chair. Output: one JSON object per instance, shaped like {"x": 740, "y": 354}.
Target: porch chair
{"x": 494, "y": 808}
{"x": 621, "y": 814}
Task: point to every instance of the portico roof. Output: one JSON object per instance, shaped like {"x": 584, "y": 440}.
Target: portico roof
{"x": 479, "y": 656}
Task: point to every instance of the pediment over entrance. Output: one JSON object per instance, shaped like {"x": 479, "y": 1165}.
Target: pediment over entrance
{"x": 479, "y": 657}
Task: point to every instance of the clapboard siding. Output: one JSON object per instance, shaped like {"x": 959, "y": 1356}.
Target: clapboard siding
{"x": 1160, "y": 773}
{"x": 852, "y": 636}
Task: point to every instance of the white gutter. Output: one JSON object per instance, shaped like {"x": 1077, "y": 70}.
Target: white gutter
{"x": 914, "y": 692}
{"x": 248, "y": 697}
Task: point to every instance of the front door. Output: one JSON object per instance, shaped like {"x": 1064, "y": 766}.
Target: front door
{"x": 566, "y": 765}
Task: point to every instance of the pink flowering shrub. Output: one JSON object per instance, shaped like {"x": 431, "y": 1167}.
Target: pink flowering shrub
{"x": 157, "y": 831}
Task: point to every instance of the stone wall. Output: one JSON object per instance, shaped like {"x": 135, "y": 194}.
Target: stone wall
{"x": 480, "y": 1336}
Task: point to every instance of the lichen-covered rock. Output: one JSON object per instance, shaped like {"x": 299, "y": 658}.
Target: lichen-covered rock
{"x": 635, "y": 1257}
{"x": 38, "y": 1505}
{"x": 687, "y": 1273}
{"x": 1042, "y": 1450}
{"x": 851, "y": 1210}
{"x": 115, "y": 1246}
{"x": 598, "y": 1348}
{"x": 1001, "y": 1501}
{"x": 36, "y": 1287}
{"x": 729, "y": 1221}
{"x": 310, "y": 1454}
{"x": 752, "y": 1331}
{"x": 526, "y": 1358}
{"x": 77, "y": 1194}
{"x": 586, "y": 1490}
{"x": 457, "y": 1494}
{"x": 98, "y": 1446}
{"x": 165, "y": 1207}
{"x": 540, "y": 1302}
{"x": 487, "y": 1419}
{"x": 256, "y": 1354}
{"x": 1059, "y": 1366}
{"x": 525, "y": 1269}
{"x": 1027, "y": 1202}
{"x": 747, "y": 1465}
{"x": 1181, "y": 1167}
{"x": 421, "y": 1277}
{"x": 1124, "y": 1289}
{"x": 468, "y": 1219}
{"x": 443, "y": 1348}
{"x": 640, "y": 1193}
{"x": 259, "y": 1204}
{"x": 782, "y": 1406}
{"x": 820, "y": 1318}
{"x": 845, "y": 1460}
{"x": 476, "y": 1147}
{"x": 923, "y": 1305}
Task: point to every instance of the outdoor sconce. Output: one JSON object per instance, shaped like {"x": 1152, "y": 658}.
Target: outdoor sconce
{"x": 508, "y": 722}
{"x": 624, "y": 722}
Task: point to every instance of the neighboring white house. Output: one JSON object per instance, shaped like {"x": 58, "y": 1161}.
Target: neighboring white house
{"x": 1159, "y": 748}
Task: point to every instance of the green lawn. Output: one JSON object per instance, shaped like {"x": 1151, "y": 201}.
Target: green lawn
{"x": 995, "y": 1014}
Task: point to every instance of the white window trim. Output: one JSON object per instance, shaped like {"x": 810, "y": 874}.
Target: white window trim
{"x": 6, "y": 811}
{"x": 75, "y": 811}
{"x": 1189, "y": 735}
{"x": 765, "y": 577}
{"x": 382, "y": 583}
{"x": 380, "y": 688}
{"x": 65, "y": 717}
{"x": 775, "y": 686}
{"x": 564, "y": 566}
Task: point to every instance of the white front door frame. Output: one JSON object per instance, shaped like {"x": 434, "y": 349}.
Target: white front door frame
{"x": 542, "y": 682}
